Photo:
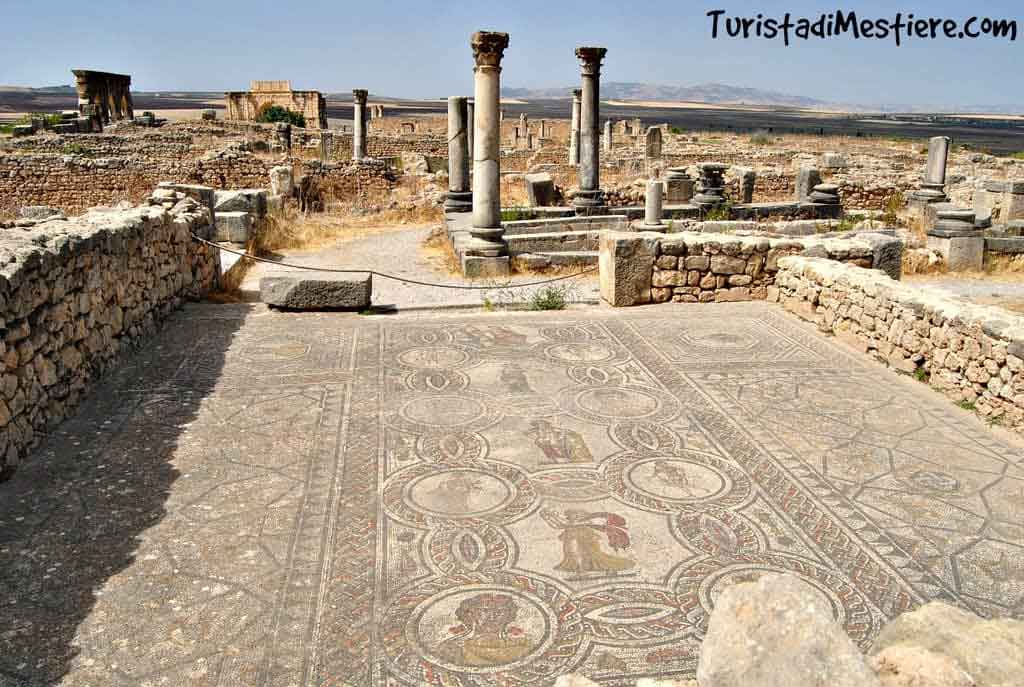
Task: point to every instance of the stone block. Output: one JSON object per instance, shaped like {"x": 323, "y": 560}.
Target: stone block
{"x": 233, "y": 226}
{"x": 1013, "y": 206}
{"x": 626, "y": 266}
{"x": 282, "y": 181}
{"x": 309, "y": 290}
{"x": 253, "y": 201}
{"x": 960, "y": 253}
{"x": 806, "y": 179}
{"x": 540, "y": 189}
{"x": 727, "y": 264}
{"x": 485, "y": 267}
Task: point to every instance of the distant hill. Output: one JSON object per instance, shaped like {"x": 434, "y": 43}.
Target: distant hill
{"x": 66, "y": 89}
{"x": 713, "y": 93}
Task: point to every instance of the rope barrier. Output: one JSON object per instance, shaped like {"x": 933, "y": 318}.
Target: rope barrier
{"x": 384, "y": 275}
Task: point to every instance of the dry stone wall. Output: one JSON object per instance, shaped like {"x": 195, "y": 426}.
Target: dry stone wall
{"x": 973, "y": 354}
{"x": 691, "y": 267}
{"x": 74, "y": 293}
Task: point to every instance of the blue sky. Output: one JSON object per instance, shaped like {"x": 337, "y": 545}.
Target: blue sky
{"x": 421, "y": 48}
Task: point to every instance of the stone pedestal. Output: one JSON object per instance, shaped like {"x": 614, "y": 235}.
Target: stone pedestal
{"x": 460, "y": 198}
{"x": 712, "y": 186}
{"x": 806, "y": 179}
{"x": 574, "y": 130}
{"x": 486, "y": 252}
{"x": 678, "y": 186}
{"x": 590, "y": 198}
{"x": 358, "y": 124}
{"x": 825, "y": 194}
{"x": 540, "y": 189}
{"x": 961, "y": 244}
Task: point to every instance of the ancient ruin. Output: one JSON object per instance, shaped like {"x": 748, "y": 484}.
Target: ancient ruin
{"x": 797, "y": 464}
{"x": 246, "y": 106}
{"x": 103, "y": 97}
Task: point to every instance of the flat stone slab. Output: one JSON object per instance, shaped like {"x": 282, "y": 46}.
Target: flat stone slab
{"x": 308, "y": 290}
{"x": 268, "y": 498}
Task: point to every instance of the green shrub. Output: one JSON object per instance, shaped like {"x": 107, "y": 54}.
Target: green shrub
{"x": 516, "y": 214}
{"x": 276, "y": 113}
{"x": 761, "y": 138}
{"x": 549, "y": 298}
{"x": 675, "y": 130}
{"x": 719, "y": 213}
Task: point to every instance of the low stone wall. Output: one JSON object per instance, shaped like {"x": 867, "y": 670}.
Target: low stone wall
{"x": 74, "y": 293}
{"x": 974, "y": 354}
{"x": 648, "y": 267}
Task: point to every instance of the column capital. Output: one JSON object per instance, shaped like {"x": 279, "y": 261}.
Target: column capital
{"x": 359, "y": 95}
{"x": 488, "y": 47}
{"x": 590, "y": 59}
{"x": 577, "y": 94}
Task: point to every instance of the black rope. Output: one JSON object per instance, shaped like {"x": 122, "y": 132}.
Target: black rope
{"x": 384, "y": 275}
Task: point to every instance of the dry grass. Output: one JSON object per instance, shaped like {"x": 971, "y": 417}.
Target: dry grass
{"x": 292, "y": 229}
{"x": 440, "y": 254}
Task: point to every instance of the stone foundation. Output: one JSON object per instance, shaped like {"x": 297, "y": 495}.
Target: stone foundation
{"x": 973, "y": 354}
{"x": 690, "y": 267}
{"x": 75, "y": 293}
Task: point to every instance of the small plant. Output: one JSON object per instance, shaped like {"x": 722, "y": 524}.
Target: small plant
{"x": 849, "y": 222}
{"x": 893, "y": 204}
{"x": 761, "y": 138}
{"x": 675, "y": 130}
{"x": 995, "y": 420}
{"x": 922, "y": 375}
{"x": 488, "y": 304}
{"x": 549, "y": 298}
{"x": 719, "y": 213}
{"x": 516, "y": 214}
{"x": 276, "y": 113}
{"x": 966, "y": 405}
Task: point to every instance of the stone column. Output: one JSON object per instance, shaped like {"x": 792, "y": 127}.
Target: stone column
{"x": 469, "y": 131}
{"x": 486, "y": 233}
{"x": 607, "y": 137}
{"x": 748, "y": 178}
{"x": 653, "y": 206}
{"x": 574, "y": 129}
{"x": 933, "y": 186}
{"x": 358, "y": 124}
{"x": 460, "y": 199}
{"x": 589, "y": 198}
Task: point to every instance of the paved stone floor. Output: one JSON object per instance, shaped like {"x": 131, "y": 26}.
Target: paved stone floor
{"x": 484, "y": 499}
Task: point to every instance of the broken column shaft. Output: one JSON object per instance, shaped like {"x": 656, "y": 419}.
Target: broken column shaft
{"x": 358, "y": 124}
{"x": 460, "y": 199}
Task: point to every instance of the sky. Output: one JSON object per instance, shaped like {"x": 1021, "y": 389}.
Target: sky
{"x": 421, "y": 49}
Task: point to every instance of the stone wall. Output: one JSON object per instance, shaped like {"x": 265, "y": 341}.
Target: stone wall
{"x": 74, "y": 293}
{"x": 248, "y": 105}
{"x": 973, "y": 354}
{"x": 691, "y": 267}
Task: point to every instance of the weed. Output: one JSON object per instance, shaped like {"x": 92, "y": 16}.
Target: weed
{"x": 849, "y": 222}
{"x": 995, "y": 420}
{"x": 761, "y": 138}
{"x": 893, "y": 204}
{"x": 549, "y": 298}
{"x": 719, "y": 213}
{"x": 922, "y": 375}
{"x": 675, "y": 130}
{"x": 515, "y": 214}
{"x": 488, "y": 304}
{"x": 966, "y": 405}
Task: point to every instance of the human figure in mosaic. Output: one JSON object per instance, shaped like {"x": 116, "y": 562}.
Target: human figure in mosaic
{"x": 497, "y": 335}
{"x": 558, "y": 444}
{"x": 456, "y": 491}
{"x": 583, "y": 536}
{"x": 486, "y": 635}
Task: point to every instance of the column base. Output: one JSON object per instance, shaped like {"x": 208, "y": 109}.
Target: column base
{"x": 590, "y": 202}
{"x": 459, "y": 201}
{"x": 480, "y": 267}
{"x": 660, "y": 227}
{"x": 486, "y": 243}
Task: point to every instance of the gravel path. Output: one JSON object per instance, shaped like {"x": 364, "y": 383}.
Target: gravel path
{"x": 402, "y": 253}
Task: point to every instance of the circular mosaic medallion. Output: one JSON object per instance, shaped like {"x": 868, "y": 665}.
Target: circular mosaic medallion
{"x": 605, "y": 404}
{"x": 433, "y": 358}
{"x": 721, "y": 340}
{"x": 437, "y": 381}
{"x": 577, "y": 352}
{"x": 719, "y": 532}
{"x": 488, "y": 492}
{"x": 465, "y": 410}
{"x": 452, "y": 550}
{"x": 452, "y": 447}
{"x": 698, "y": 587}
{"x": 679, "y": 481}
{"x": 597, "y": 375}
{"x": 482, "y": 630}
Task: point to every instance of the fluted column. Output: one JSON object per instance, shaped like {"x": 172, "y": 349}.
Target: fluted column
{"x": 589, "y": 197}
{"x": 460, "y": 199}
{"x": 488, "y": 49}
{"x": 358, "y": 124}
{"x": 574, "y": 129}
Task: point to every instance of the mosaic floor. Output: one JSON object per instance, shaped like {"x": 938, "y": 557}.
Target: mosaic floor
{"x": 489, "y": 499}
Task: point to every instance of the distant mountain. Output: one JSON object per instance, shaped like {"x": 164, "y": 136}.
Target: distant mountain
{"x": 713, "y": 93}
{"x": 45, "y": 90}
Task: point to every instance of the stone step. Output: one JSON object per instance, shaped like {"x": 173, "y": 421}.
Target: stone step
{"x": 579, "y": 258}
{"x": 557, "y": 242}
